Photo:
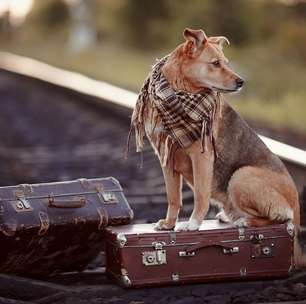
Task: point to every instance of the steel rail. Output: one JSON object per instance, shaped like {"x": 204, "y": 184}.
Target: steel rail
{"x": 106, "y": 92}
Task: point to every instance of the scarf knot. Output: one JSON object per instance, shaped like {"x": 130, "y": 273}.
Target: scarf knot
{"x": 186, "y": 117}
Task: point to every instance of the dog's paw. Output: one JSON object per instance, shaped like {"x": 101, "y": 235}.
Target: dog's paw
{"x": 241, "y": 222}
{"x": 191, "y": 225}
{"x": 222, "y": 217}
{"x": 163, "y": 225}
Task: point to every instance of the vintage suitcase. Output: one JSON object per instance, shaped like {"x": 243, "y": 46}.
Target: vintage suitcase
{"x": 137, "y": 255}
{"x": 56, "y": 227}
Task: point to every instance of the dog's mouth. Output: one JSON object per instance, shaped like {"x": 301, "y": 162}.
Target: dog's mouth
{"x": 222, "y": 90}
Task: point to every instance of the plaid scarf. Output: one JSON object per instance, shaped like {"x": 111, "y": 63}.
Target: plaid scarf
{"x": 186, "y": 117}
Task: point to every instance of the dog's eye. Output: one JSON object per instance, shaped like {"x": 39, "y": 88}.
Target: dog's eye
{"x": 216, "y": 63}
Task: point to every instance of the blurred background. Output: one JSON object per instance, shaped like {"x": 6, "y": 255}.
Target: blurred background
{"x": 49, "y": 133}
{"x": 117, "y": 41}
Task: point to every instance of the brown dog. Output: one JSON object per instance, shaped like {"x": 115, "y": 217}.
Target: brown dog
{"x": 248, "y": 182}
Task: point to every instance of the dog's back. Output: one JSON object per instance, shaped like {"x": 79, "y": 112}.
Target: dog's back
{"x": 238, "y": 145}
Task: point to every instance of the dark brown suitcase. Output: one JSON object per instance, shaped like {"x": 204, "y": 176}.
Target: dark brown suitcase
{"x": 137, "y": 255}
{"x": 56, "y": 227}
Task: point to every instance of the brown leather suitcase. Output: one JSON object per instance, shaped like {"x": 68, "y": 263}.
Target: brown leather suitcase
{"x": 137, "y": 255}
{"x": 56, "y": 227}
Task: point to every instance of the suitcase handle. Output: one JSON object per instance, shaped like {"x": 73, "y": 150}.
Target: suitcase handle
{"x": 210, "y": 243}
{"x": 71, "y": 203}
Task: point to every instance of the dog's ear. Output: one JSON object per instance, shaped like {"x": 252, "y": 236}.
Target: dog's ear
{"x": 220, "y": 40}
{"x": 195, "y": 40}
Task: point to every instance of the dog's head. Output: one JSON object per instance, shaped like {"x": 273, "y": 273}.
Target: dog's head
{"x": 202, "y": 64}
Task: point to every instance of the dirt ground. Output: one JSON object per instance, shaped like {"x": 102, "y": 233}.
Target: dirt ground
{"x": 94, "y": 288}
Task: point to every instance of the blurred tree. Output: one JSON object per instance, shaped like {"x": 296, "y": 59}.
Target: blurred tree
{"x": 7, "y": 30}
{"x": 161, "y": 22}
{"x": 5, "y": 26}
{"x": 144, "y": 22}
{"x": 232, "y": 19}
{"x": 49, "y": 13}
{"x": 273, "y": 15}
{"x": 105, "y": 16}
{"x": 194, "y": 14}
{"x": 82, "y": 33}
{"x": 291, "y": 42}
{"x": 299, "y": 10}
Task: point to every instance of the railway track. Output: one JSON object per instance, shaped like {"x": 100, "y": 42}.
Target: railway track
{"x": 48, "y": 136}
{"x": 52, "y": 129}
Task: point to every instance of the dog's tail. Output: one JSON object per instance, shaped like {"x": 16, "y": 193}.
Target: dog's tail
{"x": 300, "y": 249}
{"x": 300, "y": 239}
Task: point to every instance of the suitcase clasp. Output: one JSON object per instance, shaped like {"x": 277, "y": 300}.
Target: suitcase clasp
{"x": 257, "y": 238}
{"x": 262, "y": 251}
{"x": 243, "y": 271}
{"x": 108, "y": 197}
{"x": 175, "y": 277}
{"x": 158, "y": 245}
{"x": 22, "y": 205}
{"x": 157, "y": 257}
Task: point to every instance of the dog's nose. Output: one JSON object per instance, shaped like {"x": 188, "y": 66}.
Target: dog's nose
{"x": 239, "y": 82}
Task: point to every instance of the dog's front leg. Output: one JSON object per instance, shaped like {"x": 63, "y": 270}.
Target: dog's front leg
{"x": 173, "y": 181}
{"x": 202, "y": 167}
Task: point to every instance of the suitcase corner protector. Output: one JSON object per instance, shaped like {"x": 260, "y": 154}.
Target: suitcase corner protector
{"x": 125, "y": 281}
{"x": 131, "y": 214}
{"x": 116, "y": 182}
{"x": 290, "y": 228}
{"x": 121, "y": 240}
{"x": 122, "y": 279}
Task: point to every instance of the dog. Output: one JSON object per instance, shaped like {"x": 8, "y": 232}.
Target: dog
{"x": 246, "y": 180}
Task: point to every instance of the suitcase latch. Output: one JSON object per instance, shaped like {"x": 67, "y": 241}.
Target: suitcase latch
{"x": 257, "y": 237}
{"x": 156, "y": 257}
{"x": 109, "y": 197}
{"x": 262, "y": 251}
{"x": 22, "y": 205}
